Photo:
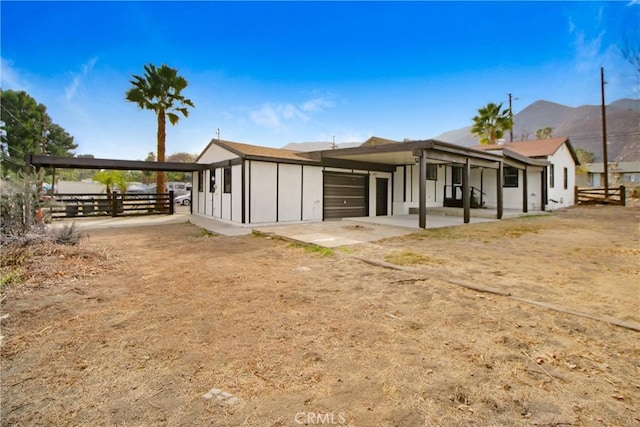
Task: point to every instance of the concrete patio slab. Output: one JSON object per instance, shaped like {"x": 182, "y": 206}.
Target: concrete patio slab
{"x": 332, "y": 234}
{"x": 218, "y": 227}
{"x": 210, "y": 224}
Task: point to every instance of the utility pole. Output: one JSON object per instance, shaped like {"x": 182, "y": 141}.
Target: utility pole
{"x": 43, "y": 147}
{"x": 604, "y": 137}
{"x": 511, "y": 117}
{"x": 333, "y": 145}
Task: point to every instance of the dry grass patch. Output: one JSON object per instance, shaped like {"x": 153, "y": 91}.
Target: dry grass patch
{"x": 485, "y": 231}
{"x": 411, "y": 258}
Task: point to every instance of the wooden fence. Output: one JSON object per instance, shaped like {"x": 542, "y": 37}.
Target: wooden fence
{"x": 92, "y": 205}
{"x": 617, "y": 196}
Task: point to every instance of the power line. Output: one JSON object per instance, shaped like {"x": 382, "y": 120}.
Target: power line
{"x": 20, "y": 123}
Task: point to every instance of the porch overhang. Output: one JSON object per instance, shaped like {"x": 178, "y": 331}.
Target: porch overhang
{"x": 405, "y": 153}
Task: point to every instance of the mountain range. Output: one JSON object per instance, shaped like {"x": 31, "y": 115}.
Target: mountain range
{"x": 583, "y": 126}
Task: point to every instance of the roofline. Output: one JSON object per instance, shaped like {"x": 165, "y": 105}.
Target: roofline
{"x": 93, "y": 163}
{"x": 572, "y": 151}
{"x": 257, "y": 157}
{"x": 429, "y": 144}
{"x": 524, "y": 159}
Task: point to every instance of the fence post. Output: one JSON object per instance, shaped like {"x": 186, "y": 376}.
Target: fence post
{"x": 114, "y": 208}
{"x": 171, "y": 204}
{"x": 576, "y": 197}
{"x": 623, "y": 195}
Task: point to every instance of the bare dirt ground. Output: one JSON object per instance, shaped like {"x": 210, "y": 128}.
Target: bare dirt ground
{"x": 135, "y": 325}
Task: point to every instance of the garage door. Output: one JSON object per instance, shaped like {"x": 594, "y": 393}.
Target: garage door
{"x": 345, "y": 195}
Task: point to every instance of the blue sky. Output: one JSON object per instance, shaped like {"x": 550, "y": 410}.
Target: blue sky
{"x": 270, "y": 73}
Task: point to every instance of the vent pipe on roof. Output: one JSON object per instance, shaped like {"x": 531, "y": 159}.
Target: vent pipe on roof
{"x": 218, "y": 133}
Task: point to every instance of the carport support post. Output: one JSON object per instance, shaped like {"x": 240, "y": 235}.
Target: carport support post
{"x": 466, "y": 199}
{"x": 525, "y": 191}
{"x": 422, "y": 190}
{"x": 543, "y": 189}
{"x": 499, "y": 191}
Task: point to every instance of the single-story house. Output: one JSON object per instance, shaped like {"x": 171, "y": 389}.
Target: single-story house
{"x": 561, "y": 170}
{"x": 620, "y": 173}
{"x": 249, "y": 185}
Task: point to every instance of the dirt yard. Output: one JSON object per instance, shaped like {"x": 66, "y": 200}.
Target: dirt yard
{"x": 136, "y": 325}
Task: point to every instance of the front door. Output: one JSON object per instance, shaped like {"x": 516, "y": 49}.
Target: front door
{"x": 382, "y": 185}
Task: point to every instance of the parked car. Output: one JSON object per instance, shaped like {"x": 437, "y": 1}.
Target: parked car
{"x": 184, "y": 200}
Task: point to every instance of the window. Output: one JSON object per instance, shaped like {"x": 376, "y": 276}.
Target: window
{"x": 552, "y": 176}
{"x": 432, "y": 172}
{"x": 200, "y": 181}
{"x": 510, "y": 176}
{"x": 566, "y": 178}
{"x": 212, "y": 181}
{"x": 456, "y": 175}
{"x": 227, "y": 180}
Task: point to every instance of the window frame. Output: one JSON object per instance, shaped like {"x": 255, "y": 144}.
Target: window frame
{"x": 212, "y": 181}
{"x": 432, "y": 172}
{"x": 566, "y": 178}
{"x": 509, "y": 179}
{"x": 200, "y": 181}
{"x": 227, "y": 180}
{"x": 552, "y": 176}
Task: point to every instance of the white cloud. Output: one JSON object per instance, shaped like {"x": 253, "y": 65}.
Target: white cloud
{"x": 278, "y": 116}
{"x": 71, "y": 91}
{"x": 588, "y": 51}
{"x": 10, "y": 77}
{"x": 317, "y": 104}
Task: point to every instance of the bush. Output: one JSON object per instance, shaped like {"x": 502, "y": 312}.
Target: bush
{"x": 18, "y": 206}
{"x": 66, "y": 235}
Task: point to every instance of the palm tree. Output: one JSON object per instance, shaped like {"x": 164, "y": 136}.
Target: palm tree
{"x": 160, "y": 90}
{"x": 544, "y": 133}
{"x": 111, "y": 179}
{"x": 491, "y": 123}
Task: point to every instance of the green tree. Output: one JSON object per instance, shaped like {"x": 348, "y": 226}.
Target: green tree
{"x": 544, "y": 133}
{"x": 584, "y": 156}
{"x": 111, "y": 179}
{"x": 26, "y": 126}
{"x": 148, "y": 176}
{"x": 159, "y": 90}
{"x": 180, "y": 157}
{"x": 491, "y": 123}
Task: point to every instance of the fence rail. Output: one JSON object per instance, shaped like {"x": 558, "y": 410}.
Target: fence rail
{"x": 118, "y": 204}
{"x": 616, "y": 196}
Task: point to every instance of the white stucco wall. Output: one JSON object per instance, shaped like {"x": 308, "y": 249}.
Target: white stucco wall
{"x": 289, "y": 192}
{"x": 435, "y": 188}
{"x": 559, "y": 197}
{"x": 236, "y": 193}
{"x": 512, "y": 196}
{"x": 215, "y": 153}
{"x": 534, "y": 189}
{"x": 312, "y": 194}
{"x": 217, "y": 203}
{"x": 263, "y": 191}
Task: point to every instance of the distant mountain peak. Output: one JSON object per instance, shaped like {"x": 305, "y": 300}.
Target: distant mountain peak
{"x": 583, "y": 126}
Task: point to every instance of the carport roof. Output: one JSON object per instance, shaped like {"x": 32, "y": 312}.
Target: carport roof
{"x": 92, "y": 163}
